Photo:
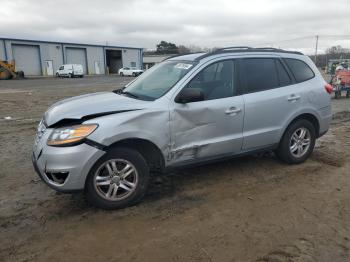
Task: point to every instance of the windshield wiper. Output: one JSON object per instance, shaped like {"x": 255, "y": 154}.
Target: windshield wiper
{"x": 128, "y": 94}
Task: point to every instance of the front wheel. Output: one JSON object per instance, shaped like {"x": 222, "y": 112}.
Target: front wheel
{"x": 121, "y": 74}
{"x": 118, "y": 179}
{"x": 297, "y": 142}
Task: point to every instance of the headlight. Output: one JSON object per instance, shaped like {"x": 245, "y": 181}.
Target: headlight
{"x": 69, "y": 135}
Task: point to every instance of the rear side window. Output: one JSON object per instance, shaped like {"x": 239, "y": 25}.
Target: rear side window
{"x": 260, "y": 74}
{"x": 283, "y": 76}
{"x": 301, "y": 71}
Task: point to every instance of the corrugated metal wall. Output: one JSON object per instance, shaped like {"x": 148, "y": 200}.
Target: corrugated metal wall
{"x": 2, "y": 50}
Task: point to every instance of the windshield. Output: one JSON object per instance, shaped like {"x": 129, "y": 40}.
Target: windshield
{"x": 158, "y": 80}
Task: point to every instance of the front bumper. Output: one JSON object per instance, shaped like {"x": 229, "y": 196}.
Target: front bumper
{"x": 75, "y": 161}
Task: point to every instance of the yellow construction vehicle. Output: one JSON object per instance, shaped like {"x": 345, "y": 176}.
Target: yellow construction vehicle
{"x": 8, "y": 70}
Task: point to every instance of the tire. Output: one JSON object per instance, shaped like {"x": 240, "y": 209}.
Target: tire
{"x": 81, "y": 76}
{"x": 99, "y": 196}
{"x": 5, "y": 75}
{"x": 57, "y": 75}
{"x": 284, "y": 150}
{"x": 347, "y": 94}
{"x": 20, "y": 75}
{"x": 70, "y": 75}
{"x": 121, "y": 74}
{"x": 134, "y": 74}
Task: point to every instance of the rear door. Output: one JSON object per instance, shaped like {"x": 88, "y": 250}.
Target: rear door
{"x": 270, "y": 97}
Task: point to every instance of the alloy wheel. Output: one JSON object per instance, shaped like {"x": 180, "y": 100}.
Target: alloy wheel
{"x": 116, "y": 179}
{"x": 300, "y": 142}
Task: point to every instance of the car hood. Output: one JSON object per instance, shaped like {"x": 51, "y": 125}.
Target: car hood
{"x": 80, "y": 108}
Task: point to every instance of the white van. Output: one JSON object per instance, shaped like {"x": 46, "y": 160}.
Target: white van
{"x": 70, "y": 70}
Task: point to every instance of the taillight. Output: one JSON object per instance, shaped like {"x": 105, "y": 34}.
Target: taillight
{"x": 329, "y": 88}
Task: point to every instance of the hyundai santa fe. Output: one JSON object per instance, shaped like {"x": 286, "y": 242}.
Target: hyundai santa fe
{"x": 187, "y": 110}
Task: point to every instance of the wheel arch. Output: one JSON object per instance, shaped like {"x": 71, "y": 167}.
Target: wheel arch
{"x": 150, "y": 151}
{"x": 307, "y": 116}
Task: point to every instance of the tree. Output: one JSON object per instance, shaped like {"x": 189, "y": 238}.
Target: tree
{"x": 167, "y": 48}
{"x": 337, "y": 50}
{"x": 183, "y": 49}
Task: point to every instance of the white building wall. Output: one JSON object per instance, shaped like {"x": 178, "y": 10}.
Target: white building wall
{"x": 52, "y": 52}
{"x": 55, "y": 52}
{"x": 132, "y": 55}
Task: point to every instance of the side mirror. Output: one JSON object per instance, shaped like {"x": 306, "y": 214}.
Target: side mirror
{"x": 188, "y": 95}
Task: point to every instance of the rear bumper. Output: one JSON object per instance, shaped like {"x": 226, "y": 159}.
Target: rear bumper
{"x": 325, "y": 120}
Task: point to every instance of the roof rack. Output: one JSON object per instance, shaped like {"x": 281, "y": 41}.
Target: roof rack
{"x": 241, "y": 49}
{"x": 191, "y": 53}
{"x": 233, "y": 48}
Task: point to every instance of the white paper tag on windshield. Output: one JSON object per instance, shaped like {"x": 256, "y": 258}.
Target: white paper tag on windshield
{"x": 183, "y": 66}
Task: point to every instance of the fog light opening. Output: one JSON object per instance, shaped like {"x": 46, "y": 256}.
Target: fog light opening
{"x": 57, "y": 177}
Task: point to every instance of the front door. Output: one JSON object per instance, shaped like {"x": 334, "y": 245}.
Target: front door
{"x": 49, "y": 67}
{"x": 213, "y": 127}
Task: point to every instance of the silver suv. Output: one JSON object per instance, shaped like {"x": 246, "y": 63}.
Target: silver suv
{"x": 186, "y": 110}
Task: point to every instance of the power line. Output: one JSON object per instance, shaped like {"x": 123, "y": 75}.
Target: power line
{"x": 340, "y": 37}
{"x": 288, "y": 40}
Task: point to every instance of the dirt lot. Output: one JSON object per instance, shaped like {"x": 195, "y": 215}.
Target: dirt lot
{"x": 247, "y": 209}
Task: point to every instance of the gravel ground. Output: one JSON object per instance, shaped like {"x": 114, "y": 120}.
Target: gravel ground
{"x": 246, "y": 209}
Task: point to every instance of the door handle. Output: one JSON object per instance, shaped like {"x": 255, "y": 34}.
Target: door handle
{"x": 293, "y": 98}
{"x": 232, "y": 110}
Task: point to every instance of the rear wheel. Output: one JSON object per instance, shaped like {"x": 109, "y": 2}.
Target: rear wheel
{"x": 297, "y": 142}
{"x": 117, "y": 180}
{"x": 347, "y": 94}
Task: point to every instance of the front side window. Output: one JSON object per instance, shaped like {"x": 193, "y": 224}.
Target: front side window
{"x": 61, "y": 68}
{"x": 216, "y": 80}
{"x": 301, "y": 71}
{"x": 259, "y": 74}
{"x": 158, "y": 80}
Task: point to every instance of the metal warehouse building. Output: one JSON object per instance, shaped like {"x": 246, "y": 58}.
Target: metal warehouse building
{"x": 37, "y": 58}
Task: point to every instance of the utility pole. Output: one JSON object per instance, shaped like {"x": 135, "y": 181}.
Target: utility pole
{"x": 316, "y": 50}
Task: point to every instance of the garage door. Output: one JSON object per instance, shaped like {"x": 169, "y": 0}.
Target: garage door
{"x": 27, "y": 58}
{"x": 76, "y": 56}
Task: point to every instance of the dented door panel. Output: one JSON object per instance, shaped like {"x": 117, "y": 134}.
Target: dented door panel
{"x": 207, "y": 128}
